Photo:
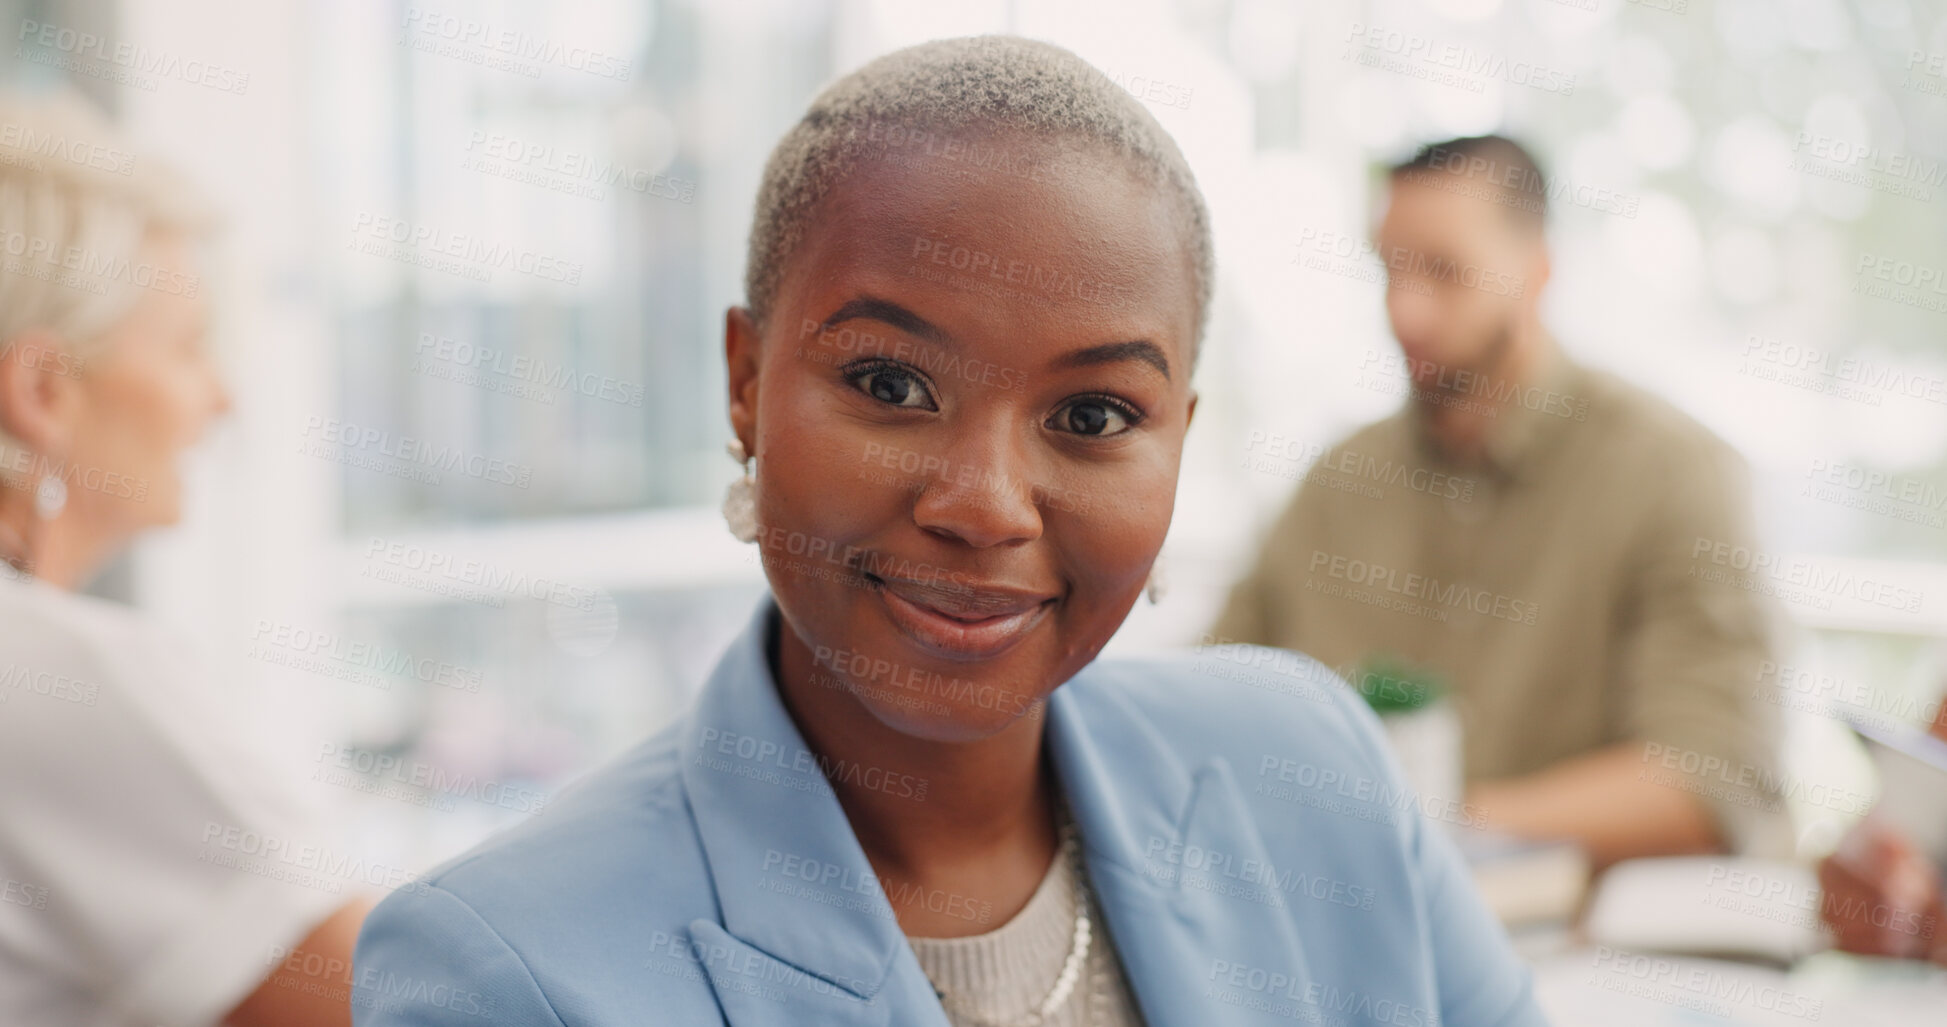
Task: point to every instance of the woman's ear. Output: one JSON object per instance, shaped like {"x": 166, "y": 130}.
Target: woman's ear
{"x": 38, "y": 391}
{"x": 742, "y": 350}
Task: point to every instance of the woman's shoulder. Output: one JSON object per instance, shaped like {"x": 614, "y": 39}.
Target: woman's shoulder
{"x": 66, "y": 650}
{"x": 599, "y": 885}
{"x": 59, "y": 622}
{"x": 618, "y": 814}
{"x": 1234, "y": 700}
{"x": 621, "y": 834}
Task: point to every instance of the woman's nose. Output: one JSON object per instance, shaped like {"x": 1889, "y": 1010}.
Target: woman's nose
{"x": 983, "y": 495}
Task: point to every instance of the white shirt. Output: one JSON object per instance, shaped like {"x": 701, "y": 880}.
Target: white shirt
{"x": 137, "y": 881}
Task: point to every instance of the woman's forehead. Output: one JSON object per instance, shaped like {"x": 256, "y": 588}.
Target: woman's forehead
{"x": 1084, "y": 241}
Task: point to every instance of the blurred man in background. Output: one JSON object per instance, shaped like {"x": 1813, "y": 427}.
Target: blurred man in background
{"x": 1535, "y": 536}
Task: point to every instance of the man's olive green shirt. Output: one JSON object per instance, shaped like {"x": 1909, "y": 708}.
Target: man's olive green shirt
{"x": 1554, "y": 587}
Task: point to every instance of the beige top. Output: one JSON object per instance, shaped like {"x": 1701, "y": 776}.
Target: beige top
{"x": 1570, "y": 590}
{"x": 1004, "y": 973}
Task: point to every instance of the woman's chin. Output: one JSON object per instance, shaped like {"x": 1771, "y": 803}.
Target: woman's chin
{"x": 947, "y": 721}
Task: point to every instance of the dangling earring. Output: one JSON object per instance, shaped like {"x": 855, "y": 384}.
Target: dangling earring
{"x": 1157, "y": 583}
{"x": 50, "y": 498}
{"x": 740, "y": 499}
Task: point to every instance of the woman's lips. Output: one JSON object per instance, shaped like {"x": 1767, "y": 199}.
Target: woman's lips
{"x": 969, "y": 626}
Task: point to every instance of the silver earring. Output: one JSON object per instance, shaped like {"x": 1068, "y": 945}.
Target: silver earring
{"x": 740, "y": 499}
{"x": 50, "y": 498}
{"x": 1157, "y": 583}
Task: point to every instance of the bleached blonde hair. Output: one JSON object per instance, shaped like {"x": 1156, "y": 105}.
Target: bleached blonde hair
{"x": 979, "y": 85}
{"x": 76, "y": 204}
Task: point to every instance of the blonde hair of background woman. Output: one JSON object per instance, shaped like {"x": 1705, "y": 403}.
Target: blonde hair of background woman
{"x": 77, "y": 202}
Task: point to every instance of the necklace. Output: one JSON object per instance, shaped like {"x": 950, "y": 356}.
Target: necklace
{"x": 1070, "y": 856}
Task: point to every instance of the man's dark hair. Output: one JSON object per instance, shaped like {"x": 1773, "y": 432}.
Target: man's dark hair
{"x": 1489, "y": 167}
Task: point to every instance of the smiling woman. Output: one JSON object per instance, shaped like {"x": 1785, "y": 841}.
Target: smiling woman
{"x": 910, "y": 793}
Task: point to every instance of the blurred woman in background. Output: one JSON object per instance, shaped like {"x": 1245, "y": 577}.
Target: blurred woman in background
{"x": 125, "y": 777}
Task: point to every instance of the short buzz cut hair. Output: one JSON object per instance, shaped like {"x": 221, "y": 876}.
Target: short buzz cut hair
{"x": 992, "y": 86}
{"x": 1508, "y": 175}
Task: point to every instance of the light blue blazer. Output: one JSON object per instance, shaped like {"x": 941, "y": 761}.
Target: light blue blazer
{"x": 1253, "y": 852}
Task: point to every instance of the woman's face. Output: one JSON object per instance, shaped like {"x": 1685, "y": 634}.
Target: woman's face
{"x": 147, "y": 393}
{"x": 968, "y": 409}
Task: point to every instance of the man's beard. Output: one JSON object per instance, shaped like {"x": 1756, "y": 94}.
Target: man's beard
{"x": 1483, "y": 373}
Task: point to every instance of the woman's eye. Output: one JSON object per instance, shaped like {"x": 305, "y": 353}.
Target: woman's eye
{"x": 889, "y": 384}
{"x": 1094, "y": 417}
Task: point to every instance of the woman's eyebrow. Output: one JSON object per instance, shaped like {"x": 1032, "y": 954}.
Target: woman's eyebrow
{"x": 1111, "y": 352}
{"x": 872, "y": 308}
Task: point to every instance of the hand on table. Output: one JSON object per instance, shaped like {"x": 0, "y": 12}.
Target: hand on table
{"x": 1882, "y": 897}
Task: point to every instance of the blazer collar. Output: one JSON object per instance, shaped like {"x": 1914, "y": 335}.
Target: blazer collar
{"x": 795, "y": 888}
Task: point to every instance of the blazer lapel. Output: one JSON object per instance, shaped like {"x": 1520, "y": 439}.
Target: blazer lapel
{"x": 1180, "y": 871}
{"x": 808, "y": 936}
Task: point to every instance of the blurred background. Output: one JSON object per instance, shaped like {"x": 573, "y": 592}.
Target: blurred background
{"x": 518, "y": 259}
